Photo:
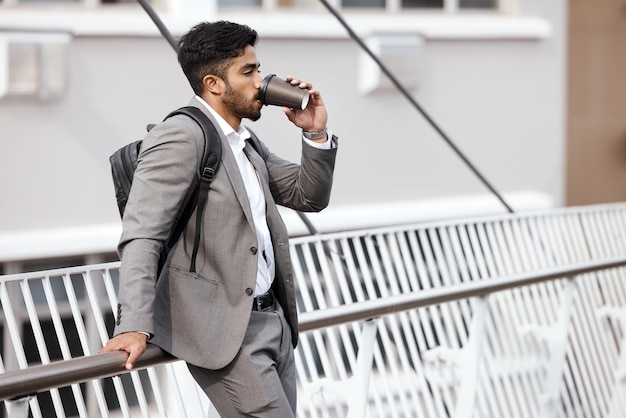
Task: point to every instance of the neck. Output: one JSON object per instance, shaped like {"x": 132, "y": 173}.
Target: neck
{"x": 217, "y": 105}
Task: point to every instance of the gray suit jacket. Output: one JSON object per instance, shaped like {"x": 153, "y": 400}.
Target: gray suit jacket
{"x": 202, "y": 317}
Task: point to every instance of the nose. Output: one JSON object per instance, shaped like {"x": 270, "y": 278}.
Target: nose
{"x": 258, "y": 80}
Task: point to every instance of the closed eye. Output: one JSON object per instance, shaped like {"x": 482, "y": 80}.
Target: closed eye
{"x": 250, "y": 69}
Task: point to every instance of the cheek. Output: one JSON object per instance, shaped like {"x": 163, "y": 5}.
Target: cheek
{"x": 245, "y": 88}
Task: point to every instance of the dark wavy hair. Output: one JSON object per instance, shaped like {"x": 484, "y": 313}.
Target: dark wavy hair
{"x": 210, "y": 47}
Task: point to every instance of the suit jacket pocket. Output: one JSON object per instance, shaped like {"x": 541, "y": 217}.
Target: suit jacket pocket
{"x": 190, "y": 291}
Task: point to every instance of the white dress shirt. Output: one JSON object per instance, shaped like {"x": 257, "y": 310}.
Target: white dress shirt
{"x": 237, "y": 141}
{"x": 265, "y": 253}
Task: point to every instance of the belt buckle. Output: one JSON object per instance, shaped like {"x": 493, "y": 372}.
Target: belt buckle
{"x": 263, "y": 302}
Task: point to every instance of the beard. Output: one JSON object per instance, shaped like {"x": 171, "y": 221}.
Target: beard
{"x": 241, "y": 106}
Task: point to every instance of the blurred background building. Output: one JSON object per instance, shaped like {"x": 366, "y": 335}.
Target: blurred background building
{"x": 529, "y": 91}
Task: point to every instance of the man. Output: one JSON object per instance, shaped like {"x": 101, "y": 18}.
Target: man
{"x": 234, "y": 319}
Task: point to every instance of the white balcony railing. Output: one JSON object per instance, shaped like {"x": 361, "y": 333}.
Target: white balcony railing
{"x": 547, "y": 343}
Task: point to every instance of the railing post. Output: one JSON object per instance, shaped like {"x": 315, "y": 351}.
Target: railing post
{"x": 467, "y": 359}
{"x": 357, "y": 401}
{"x": 18, "y": 408}
{"x": 473, "y": 355}
{"x": 558, "y": 349}
{"x": 618, "y": 404}
{"x": 354, "y": 390}
{"x": 555, "y": 337}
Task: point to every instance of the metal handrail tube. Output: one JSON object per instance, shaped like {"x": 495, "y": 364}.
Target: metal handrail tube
{"x": 32, "y": 380}
{"x": 393, "y": 304}
{"x": 21, "y": 383}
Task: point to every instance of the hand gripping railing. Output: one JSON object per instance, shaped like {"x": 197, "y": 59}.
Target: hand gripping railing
{"x": 16, "y": 386}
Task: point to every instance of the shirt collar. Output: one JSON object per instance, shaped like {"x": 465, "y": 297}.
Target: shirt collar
{"x": 236, "y": 138}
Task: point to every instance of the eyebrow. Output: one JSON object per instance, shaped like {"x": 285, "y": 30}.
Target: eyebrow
{"x": 250, "y": 66}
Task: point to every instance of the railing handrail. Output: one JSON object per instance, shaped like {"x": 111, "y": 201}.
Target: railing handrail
{"x": 29, "y": 381}
{"x": 394, "y": 304}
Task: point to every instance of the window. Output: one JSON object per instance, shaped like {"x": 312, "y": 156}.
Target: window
{"x": 443, "y": 5}
{"x": 269, "y": 5}
{"x": 239, "y": 3}
{"x": 422, "y": 4}
{"x": 86, "y": 3}
{"x": 478, "y": 4}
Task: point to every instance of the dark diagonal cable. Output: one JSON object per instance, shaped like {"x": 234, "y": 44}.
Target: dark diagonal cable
{"x": 170, "y": 39}
{"x": 406, "y": 94}
{"x": 159, "y": 24}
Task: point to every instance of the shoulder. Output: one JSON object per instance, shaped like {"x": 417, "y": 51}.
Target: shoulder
{"x": 176, "y": 130}
{"x": 177, "y": 139}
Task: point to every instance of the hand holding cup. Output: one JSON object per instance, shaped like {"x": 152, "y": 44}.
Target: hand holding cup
{"x": 278, "y": 92}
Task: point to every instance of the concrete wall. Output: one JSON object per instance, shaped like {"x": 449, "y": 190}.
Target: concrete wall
{"x": 500, "y": 98}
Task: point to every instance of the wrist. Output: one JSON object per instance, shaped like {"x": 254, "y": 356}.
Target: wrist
{"x": 313, "y": 135}
{"x": 144, "y": 334}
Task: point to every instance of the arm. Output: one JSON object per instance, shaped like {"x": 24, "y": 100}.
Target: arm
{"x": 162, "y": 181}
{"x": 306, "y": 187}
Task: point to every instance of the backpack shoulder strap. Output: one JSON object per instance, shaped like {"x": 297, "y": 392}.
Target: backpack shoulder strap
{"x": 212, "y": 145}
{"x": 211, "y": 158}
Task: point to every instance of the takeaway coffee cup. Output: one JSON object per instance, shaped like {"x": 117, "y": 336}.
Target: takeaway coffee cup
{"x": 278, "y": 92}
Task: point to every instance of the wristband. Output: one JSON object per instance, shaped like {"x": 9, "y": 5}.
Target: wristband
{"x": 314, "y": 135}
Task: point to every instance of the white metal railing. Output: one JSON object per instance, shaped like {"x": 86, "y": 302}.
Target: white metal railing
{"x": 550, "y": 349}
{"x": 542, "y": 350}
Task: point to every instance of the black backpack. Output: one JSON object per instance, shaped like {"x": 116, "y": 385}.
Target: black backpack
{"x": 124, "y": 162}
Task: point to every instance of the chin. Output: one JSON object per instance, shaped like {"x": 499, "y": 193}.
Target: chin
{"x": 254, "y": 117}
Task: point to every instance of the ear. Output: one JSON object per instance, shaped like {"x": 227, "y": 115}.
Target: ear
{"x": 213, "y": 84}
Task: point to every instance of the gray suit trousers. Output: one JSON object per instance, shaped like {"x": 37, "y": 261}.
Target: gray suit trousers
{"x": 261, "y": 379}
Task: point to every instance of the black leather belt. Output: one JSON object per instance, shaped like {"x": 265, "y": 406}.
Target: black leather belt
{"x": 263, "y": 302}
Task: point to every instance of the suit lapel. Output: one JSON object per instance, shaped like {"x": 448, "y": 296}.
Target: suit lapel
{"x": 232, "y": 169}
{"x": 229, "y": 164}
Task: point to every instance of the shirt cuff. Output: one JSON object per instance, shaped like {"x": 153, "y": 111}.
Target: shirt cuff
{"x": 329, "y": 144}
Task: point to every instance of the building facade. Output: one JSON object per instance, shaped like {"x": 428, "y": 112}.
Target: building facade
{"x": 80, "y": 79}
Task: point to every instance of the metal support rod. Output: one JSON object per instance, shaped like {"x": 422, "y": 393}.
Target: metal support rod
{"x": 159, "y": 24}
{"x": 406, "y": 94}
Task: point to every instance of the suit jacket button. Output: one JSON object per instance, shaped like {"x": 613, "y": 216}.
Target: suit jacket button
{"x": 249, "y": 291}
{"x": 253, "y": 250}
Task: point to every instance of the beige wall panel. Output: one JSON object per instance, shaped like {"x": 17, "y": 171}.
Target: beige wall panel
{"x": 597, "y": 102}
